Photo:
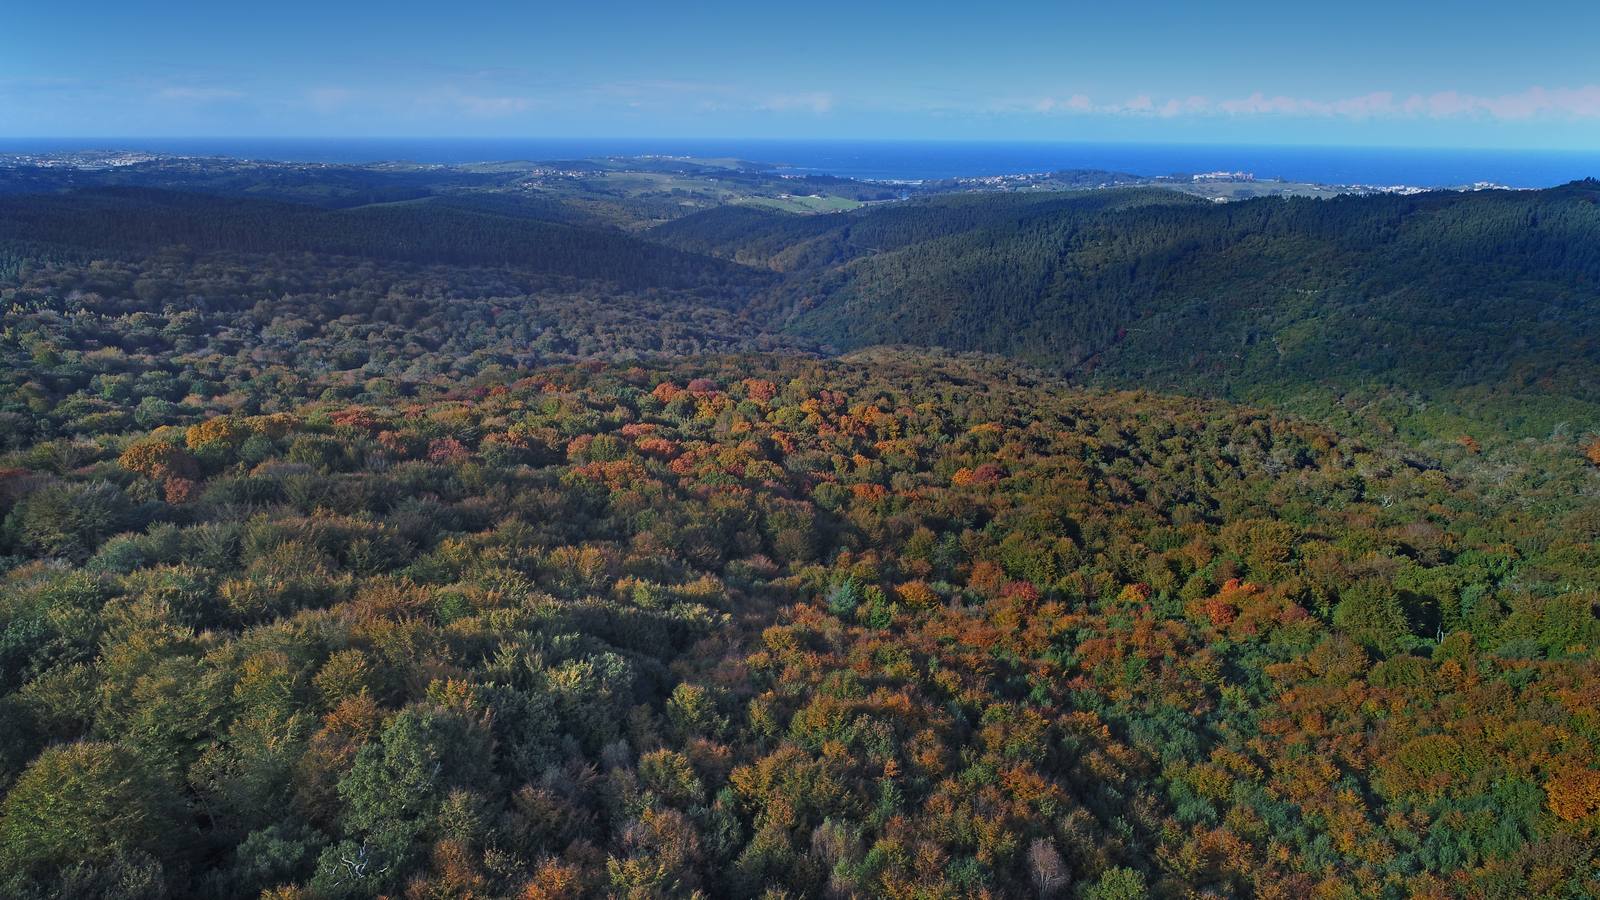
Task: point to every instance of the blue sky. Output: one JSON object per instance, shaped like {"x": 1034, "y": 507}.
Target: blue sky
{"x": 1393, "y": 73}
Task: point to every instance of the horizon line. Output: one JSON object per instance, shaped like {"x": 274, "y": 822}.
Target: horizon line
{"x": 809, "y": 140}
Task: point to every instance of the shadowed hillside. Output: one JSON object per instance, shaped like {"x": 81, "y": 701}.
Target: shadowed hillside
{"x": 1487, "y": 301}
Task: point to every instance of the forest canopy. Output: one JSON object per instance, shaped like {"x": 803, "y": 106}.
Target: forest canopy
{"x": 469, "y": 541}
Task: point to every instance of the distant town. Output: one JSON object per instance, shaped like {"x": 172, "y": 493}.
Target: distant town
{"x": 757, "y": 182}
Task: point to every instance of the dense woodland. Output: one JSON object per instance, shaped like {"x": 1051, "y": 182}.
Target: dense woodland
{"x": 1480, "y": 304}
{"x": 485, "y": 545}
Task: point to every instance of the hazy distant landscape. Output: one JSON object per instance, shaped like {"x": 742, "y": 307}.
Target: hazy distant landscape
{"x": 892, "y": 160}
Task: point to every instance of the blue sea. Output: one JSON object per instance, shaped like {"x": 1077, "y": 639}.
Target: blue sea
{"x": 914, "y": 160}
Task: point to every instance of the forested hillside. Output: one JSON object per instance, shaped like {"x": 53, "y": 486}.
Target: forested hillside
{"x": 432, "y": 231}
{"x": 789, "y": 242}
{"x": 892, "y": 626}
{"x": 142, "y": 308}
{"x": 1482, "y": 304}
{"x": 484, "y": 544}
{"x": 1438, "y": 314}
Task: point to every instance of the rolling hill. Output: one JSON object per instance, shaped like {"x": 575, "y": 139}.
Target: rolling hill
{"x": 1485, "y": 303}
{"x": 467, "y": 545}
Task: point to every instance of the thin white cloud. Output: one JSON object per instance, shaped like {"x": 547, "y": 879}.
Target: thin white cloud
{"x": 707, "y": 96}
{"x": 328, "y": 100}
{"x": 1138, "y": 105}
{"x": 1365, "y": 106}
{"x": 1077, "y": 103}
{"x": 661, "y": 87}
{"x": 818, "y": 102}
{"x": 455, "y": 102}
{"x": 1533, "y": 103}
{"x": 197, "y": 94}
{"x": 1577, "y": 103}
{"x": 495, "y": 107}
{"x": 509, "y": 101}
